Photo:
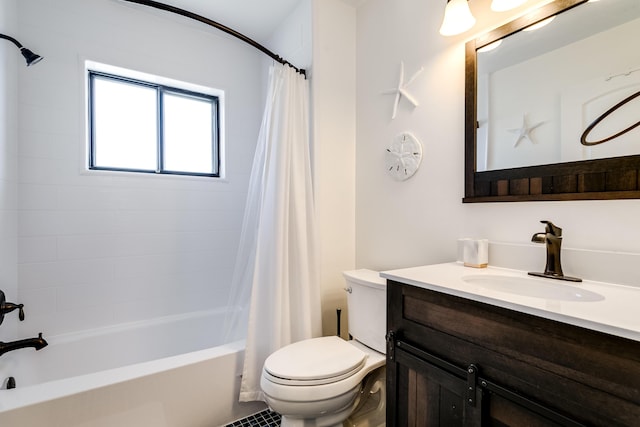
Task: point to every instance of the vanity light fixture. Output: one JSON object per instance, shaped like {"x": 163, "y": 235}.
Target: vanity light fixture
{"x": 29, "y": 56}
{"x": 457, "y": 18}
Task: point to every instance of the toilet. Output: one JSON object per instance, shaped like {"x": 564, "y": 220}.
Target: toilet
{"x": 322, "y": 382}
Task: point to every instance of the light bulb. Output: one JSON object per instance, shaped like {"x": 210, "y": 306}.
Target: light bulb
{"x": 457, "y": 18}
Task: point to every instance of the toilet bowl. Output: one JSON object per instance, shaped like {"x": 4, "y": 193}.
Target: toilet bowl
{"x": 317, "y": 382}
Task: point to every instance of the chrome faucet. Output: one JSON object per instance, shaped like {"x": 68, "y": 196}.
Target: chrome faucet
{"x": 552, "y": 238}
{"x": 37, "y": 343}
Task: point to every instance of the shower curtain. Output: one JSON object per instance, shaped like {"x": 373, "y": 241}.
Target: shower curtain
{"x": 276, "y": 278}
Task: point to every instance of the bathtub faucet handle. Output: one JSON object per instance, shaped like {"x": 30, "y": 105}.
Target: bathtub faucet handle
{"x": 8, "y": 307}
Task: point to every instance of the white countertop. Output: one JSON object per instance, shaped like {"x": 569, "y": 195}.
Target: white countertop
{"x": 612, "y": 309}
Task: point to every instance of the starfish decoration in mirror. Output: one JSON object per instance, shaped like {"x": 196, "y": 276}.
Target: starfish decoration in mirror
{"x": 524, "y": 131}
{"x": 401, "y": 90}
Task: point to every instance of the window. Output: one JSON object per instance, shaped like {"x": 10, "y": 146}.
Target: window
{"x": 139, "y": 126}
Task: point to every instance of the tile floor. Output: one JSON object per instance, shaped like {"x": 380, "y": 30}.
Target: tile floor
{"x": 265, "y": 418}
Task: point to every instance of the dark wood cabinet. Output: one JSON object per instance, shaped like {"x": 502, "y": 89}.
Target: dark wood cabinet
{"x": 432, "y": 396}
{"x": 456, "y": 362}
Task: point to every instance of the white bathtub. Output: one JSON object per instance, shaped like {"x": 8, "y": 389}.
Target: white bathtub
{"x": 168, "y": 372}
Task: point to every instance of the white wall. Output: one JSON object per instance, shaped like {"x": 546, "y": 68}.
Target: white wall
{"x": 334, "y": 135}
{"x": 418, "y": 221}
{"x": 104, "y": 249}
{"x": 9, "y": 57}
{"x": 293, "y": 38}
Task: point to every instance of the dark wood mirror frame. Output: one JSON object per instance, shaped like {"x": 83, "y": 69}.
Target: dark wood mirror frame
{"x": 612, "y": 178}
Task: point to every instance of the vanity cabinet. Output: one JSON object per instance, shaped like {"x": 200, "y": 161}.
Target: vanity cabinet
{"x": 453, "y": 362}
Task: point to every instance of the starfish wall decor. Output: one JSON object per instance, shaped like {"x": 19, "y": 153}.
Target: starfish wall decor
{"x": 401, "y": 90}
{"x": 524, "y": 131}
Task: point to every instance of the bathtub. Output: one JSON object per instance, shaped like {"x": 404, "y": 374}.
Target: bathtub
{"x": 167, "y": 372}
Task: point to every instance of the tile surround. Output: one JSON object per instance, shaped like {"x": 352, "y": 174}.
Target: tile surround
{"x": 100, "y": 248}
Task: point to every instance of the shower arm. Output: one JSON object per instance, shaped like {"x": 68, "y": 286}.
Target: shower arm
{"x": 29, "y": 56}
{"x": 12, "y": 40}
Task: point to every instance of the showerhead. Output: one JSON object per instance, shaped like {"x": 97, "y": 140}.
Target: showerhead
{"x": 29, "y": 56}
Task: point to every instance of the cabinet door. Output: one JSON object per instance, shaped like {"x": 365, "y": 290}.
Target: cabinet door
{"x": 428, "y": 396}
{"x": 426, "y": 391}
{"x": 502, "y": 412}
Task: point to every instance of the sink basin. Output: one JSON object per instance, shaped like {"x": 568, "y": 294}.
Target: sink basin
{"x": 536, "y": 288}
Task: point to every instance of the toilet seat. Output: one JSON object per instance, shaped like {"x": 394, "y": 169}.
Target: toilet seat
{"x": 312, "y": 362}
{"x": 314, "y": 393}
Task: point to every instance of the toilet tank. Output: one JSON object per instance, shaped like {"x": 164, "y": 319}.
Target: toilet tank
{"x": 367, "y": 307}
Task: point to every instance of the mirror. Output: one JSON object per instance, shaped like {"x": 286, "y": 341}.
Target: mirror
{"x": 554, "y": 113}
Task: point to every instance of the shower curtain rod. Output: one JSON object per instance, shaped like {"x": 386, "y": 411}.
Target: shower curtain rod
{"x": 234, "y": 33}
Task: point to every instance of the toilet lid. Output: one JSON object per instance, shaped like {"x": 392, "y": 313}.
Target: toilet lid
{"x": 315, "y": 361}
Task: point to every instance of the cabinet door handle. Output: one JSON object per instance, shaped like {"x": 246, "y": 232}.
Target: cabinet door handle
{"x": 391, "y": 344}
{"x": 472, "y": 375}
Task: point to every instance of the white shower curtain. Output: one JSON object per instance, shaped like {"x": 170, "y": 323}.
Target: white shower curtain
{"x": 277, "y": 263}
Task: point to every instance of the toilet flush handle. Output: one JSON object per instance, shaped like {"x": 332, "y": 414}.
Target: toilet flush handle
{"x": 348, "y": 289}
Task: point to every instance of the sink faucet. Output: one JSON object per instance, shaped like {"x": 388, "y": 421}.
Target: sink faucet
{"x": 552, "y": 238}
{"x": 37, "y": 343}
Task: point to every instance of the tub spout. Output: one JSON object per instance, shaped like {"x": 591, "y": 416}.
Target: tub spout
{"x": 37, "y": 343}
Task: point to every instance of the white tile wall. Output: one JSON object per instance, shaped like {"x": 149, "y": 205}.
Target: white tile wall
{"x": 9, "y": 57}
{"x": 102, "y": 248}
